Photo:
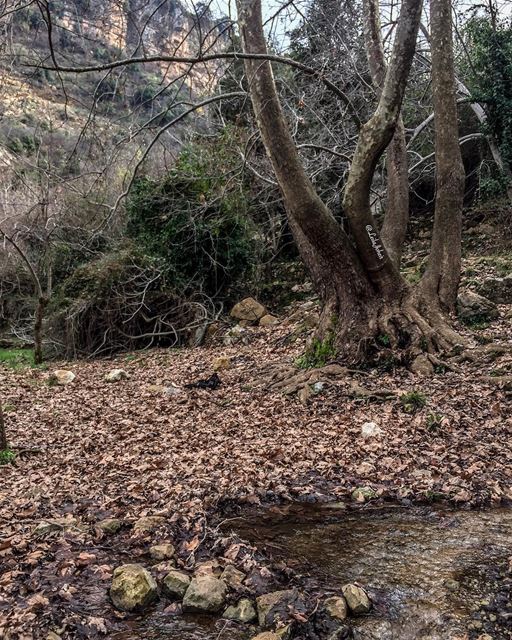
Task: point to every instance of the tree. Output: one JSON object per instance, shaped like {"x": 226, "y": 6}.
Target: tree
{"x": 364, "y": 297}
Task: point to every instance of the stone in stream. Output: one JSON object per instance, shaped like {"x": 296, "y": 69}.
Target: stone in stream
{"x": 175, "y": 584}
{"x": 275, "y": 607}
{"x": 133, "y": 588}
{"x": 161, "y": 552}
{"x": 357, "y": 600}
{"x": 205, "y": 594}
{"x": 243, "y": 611}
{"x": 329, "y": 620}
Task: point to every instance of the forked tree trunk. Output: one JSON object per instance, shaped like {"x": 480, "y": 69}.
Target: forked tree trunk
{"x": 362, "y": 292}
{"x": 396, "y": 217}
{"x": 442, "y": 276}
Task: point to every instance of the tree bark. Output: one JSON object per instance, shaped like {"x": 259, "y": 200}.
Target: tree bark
{"x": 440, "y": 282}
{"x": 38, "y": 329}
{"x": 3, "y": 434}
{"x": 396, "y": 217}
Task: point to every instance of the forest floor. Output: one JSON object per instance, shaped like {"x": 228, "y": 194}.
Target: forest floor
{"x": 93, "y": 450}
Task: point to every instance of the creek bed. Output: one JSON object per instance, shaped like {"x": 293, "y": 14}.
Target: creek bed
{"x": 435, "y": 574}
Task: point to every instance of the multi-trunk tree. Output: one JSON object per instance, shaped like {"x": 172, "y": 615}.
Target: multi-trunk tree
{"x": 365, "y": 299}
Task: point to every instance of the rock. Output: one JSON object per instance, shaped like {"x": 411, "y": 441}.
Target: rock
{"x": 61, "y": 377}
{"x": 357, "y": 600}
{"x": 148, "y": 523}
{"x": 205, "y": 593}
{"x": 208, "y": 568}
{"x": 232, "y": 576}
{"x": 274, "y": 607}
{"x": 370, "y": 430}
{"x": 336, "y": 608}
{"x": 498, "y": 290}
{"x": 222, "y": 363}
{"x": 175, "y": 584}
{"x": 243, "y": 611}
{"x": 133, "y": 588}
{"x": 268, "y": 320}
{"x": 362, "y": 494}
{"x": 330, "y": 617}
{"x": 249, "y": 310}
{"x": 161, "y": 552}
{"x": 266, "y": 635}
{"x": 421, "y": 366}
{"x": 53, "y": 636}
{"x": 47, "y": 527}
{"x": 110, "y": 525}
{"x": 472, "y": 307}
{"x": 155, "y": 388}
{"x": 116, "y": 375}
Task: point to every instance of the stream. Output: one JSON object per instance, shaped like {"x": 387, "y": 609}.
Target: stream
{"x": 433, "y": 574}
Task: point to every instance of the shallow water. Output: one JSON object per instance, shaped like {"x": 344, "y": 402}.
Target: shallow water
{"x": 433, "y": 574}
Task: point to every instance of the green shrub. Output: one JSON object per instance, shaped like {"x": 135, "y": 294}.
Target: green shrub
{"x": 7, "y": 456}
{"x": 17, "y": 358}
{"x": 413, "y": 401}
{"x": 195, "y": 223}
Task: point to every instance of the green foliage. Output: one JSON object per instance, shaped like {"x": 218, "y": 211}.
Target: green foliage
{"x": 383, "y": 340}
{"x": 434, "y": 421}
{"x": 7, "y": 456}
{"x": 17, "y": 358}
{"x": 196, "y": 221}
{"x": 318, "y": 354}
{"x": 413, "y": 401}
{"x": 477, "y": 322}
{"x": 490, "y": 69}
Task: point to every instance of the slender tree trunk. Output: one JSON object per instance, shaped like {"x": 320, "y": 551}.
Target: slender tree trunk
{"x": 38, "y": 329}
{"x": 396, "y": 218}
{"x": 3, "y": 434}
{"x": 442, "y": 276}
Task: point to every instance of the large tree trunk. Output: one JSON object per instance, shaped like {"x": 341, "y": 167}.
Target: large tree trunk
{"x": 396, "y": 218}
{"x": 363, "y": 294}
{"x": 441, "y": 279}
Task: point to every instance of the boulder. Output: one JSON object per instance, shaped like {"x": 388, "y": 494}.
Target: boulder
{"x": 133, "y": 588}
{"x": 274, "y": 607}
{"x": 232, "y": 576}
{"x": 498, "y": 290}
{"x": 61, "y": 377}
{"x": 205, "y": 594}
{"x": 148, "y": 523}
{"x": 222, "y": 363}
{"x": 248, "y": 310}
{"x": 242, "y": 611}
{"x": 422, "y": 366}
{"x": 161, "y": 552}
{"x": 116, "y": 375}
{"x": 472, "y": 307}
{"x": 357, "y": 600}
{"x": 268, "y": 320}
{"x": 175, "y": 584}
{"x": 110, "y": 525}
